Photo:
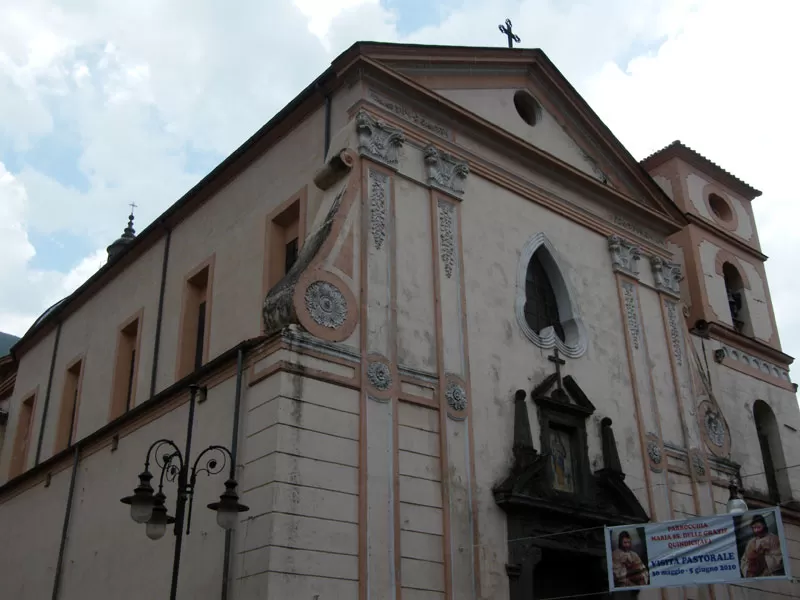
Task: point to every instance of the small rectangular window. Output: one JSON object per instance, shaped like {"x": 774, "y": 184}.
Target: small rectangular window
{"x": 284, "y": 239}
{"x": 68, "y": 420}
{"x": 19, "y": 454}
{"x": 125, "y": 370}
{"x": 290, "y": 255}
{"x": 195, "y": 323}
{"x": 201, "y": 335}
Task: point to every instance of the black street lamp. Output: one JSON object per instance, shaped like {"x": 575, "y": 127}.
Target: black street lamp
{"x": 150, "y": 508}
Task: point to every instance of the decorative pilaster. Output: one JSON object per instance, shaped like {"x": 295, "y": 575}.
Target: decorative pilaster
{"x": 624, "y": 256}
{"x": 378, "y": 140}
{"x": 666, "y": 276}
{"x": 454, "y": 396}
{"x": 445, "y": 171}
{"x": 379, "y": 518}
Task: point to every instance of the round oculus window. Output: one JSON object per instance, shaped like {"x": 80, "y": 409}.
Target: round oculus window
{"x": 720, "y": 207}
{"x": 527, "y": 107}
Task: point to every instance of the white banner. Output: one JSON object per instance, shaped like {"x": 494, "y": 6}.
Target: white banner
{"x": 717, "y": 549}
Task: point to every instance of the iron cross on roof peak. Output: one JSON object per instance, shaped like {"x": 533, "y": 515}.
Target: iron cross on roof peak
{"x": 512, "y": 37}
{"x": 555, "y": 358}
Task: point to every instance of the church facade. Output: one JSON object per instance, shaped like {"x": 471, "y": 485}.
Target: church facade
{"x": 448, "y": 329}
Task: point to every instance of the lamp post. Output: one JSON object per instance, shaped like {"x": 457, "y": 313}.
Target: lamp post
{"x": 149, "y": 506}
{"x": 736, "y": 504}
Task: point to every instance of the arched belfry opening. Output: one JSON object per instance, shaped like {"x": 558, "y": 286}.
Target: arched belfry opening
{"x": 771, "y": 452}
{"x": 734, "y": 289}
{"x": 545, "y": 307}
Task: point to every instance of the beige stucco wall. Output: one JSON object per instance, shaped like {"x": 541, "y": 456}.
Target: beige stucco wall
{"x": 756, "y": 300}
{"x": 300, "y": 478}
{"x": 665, "y": 184}
{"x": 107, "y": 554}
{"x": 497, "y": 106}
{"x": 231, "y": 227}
{"x": 91, "y": 333}
{"x": 736, "y": 392}
{"x": 30, "y": 526}
{"x": 31, "y": 376}
{"x": 301, "y": 439}
{"x": 695, "y": 186}
{"x": 496, "y": 226}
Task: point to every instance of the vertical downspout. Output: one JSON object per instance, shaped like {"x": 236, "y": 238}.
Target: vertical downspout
{"x": 65, "y": 528}
{"x": 226, "y": 565}
{"x": 327, "y": 126}
{"x": 47, "y": 396}
{"x": 157, "y": 341}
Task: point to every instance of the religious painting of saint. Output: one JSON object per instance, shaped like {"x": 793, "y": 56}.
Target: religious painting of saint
{"x": 629, "y": 559}
{"x": 759, "y": 548}
{"x": 562, "y": 461}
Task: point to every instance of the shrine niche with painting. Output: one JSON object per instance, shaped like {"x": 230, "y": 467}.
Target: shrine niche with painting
{"x": 553, "y": 491}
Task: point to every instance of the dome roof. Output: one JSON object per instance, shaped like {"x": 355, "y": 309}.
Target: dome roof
{"x": 45, "y": 313}
{"x": 118, "y": 245}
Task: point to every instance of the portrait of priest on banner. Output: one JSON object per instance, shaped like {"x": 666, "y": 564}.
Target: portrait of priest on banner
{"x": 759, "y": 546}
{"x": 629, "y": 558}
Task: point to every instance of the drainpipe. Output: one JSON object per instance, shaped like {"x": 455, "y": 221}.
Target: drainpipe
{"x": 47, "y": 396}
{"x": 65, "y": 528}
{"x": 234, "y": 453}
{"x": 157, "y": 341}
{"x": 327, "y": 125}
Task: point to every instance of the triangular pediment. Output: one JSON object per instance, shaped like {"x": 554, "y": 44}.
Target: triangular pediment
{"x": 485, "y": 81}
{"x": 569, "y": 394}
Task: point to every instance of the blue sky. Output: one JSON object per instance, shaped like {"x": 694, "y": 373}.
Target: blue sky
{"x": 104, "y": 104}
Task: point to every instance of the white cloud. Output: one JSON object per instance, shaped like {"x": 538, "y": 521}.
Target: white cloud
{"x": 28, "y": 291}
{"x": 721, "y": 84}
{"x": 142, "y": 83}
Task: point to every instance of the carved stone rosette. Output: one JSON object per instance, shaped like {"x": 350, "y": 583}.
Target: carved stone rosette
{"x": 378, "y": 140}
{"x": 698, "y": 465}
{"x": 444, "y": 171}
{"x": 624, "y": 256}
{"x": 666, "y": 276}
{"x": 382, "y": 379}
{"x": 655, "y": 453}
{"x": 455, "y": 394}
{"x": 326, "y": 304}
{"x": 714, "y": 429}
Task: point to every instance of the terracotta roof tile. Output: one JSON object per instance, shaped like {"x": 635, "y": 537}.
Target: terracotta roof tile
{"x": 680, "y": 150}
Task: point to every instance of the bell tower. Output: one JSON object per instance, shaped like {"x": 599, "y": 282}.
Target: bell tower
{"x": 725, "y": 285}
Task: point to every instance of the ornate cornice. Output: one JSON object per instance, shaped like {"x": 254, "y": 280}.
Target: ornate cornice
{"x": 749, "y": 360}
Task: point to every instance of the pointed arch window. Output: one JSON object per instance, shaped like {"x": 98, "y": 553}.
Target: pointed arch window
{"x": 771, "y": 451}
{"x": 541, "y": 306}
{"x": 545, "y": 309}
